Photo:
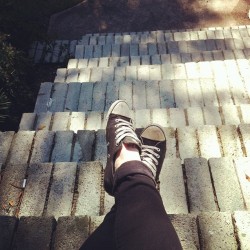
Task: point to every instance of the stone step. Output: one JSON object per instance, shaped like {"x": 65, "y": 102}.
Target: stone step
{"x": 70, "y": 188}
{"x": 205, "y": 230}
{"x": 166, "y": 117}
{"x": 58, "y": 51}
{"x": 166, "y": 35}
{"x": 87, "y": 145}
{"x": 98, "y": 96}
{"x": 232, "y": 69}
{"x": 156, "y": 59}
{"x": 169, "y": 47}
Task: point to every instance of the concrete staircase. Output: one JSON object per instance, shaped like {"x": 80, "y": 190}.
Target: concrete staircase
{"x": 195, "y": 83}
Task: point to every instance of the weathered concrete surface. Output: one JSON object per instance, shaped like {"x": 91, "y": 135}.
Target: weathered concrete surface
{"x": 226, "y": 185}
{"x": 34, "y": 233}
{"x": 11, "y": 188}
{"x": 7, "y": 227}
{"x": 89, "y": 183}
{"x": 242, "y": 223}
{"x": 5, "y": 139}
{"x": 71, "y": 232}
{"x": 199, "y": 186}
{"x": 187, "y": 230}
{"x": 172, "y": 187}
{"x": 62, "y": 190}
{"x": 35, "y": 192}
{"x": 216, "y": 231}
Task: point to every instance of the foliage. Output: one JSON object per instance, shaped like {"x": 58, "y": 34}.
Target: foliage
{"x": 15, "y": 70}
{"x": 4, "y": 106}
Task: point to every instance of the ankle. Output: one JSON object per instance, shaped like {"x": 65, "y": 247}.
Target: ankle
{"x": 128, "y": 152}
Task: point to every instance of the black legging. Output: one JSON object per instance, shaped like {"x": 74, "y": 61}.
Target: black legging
{"x": 138, "y": 220}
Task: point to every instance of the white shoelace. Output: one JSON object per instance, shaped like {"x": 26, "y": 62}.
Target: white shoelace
{"x": 124, "y": 129}
{"x": 149, "y": 156}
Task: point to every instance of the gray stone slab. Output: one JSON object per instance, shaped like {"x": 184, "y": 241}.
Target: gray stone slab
{"x": 84, "y": 75}
{"x": 216, "y": 231}
{"x": 27, "y": 121}
{"x": 43, "y": 97}
{"x": 100, "y": 153}
{"x": 125, "y": 92}
{"x": 192, "y": 70}
{"x": 36, "y": 189}
{"x": 230, "y": 115}
{"x": 205, "y": 69}
{"x": 112, "y": 93}
{"x": 61, "y": 190}
{"x": 43, "y": 121}
{"x": 5, "y": 142}
{"x": 139, "y": 95}
{"x": 77, "y": 121}
{"x": 72, "y": 75}
{"x": 7, "y": 227}
{"x": 108, "y": 74}
{"x": 152, "y": 94}
{"x": 242, "y": 223}
{"x": 71, "y": 232}
{"x": 188, "y": 143}
{"x": 245, "y": 137}
{"x": 89, "y": 182}
{"x": 142, "y": 118}
{"x": 180, "y": 72}
{"x": 172, "y": 187}
{"x": 212, "y": 115}
{"x": 230, "y": 141}
{"x": 177, "y": 117}
{"x": 187, "y": 230}
{"x": 195, "y": 116}
{"x": 195, "y": 93}
{"x": 96, "y": 74}
{"x": 94, "y": 120}
{"x": 84, "y": 146}
{"x": 143, "y": 73}
{"x": 61, "y": 75}
{"x": 34, "y": 233}
{"x": 62, "y": 146}
{"x": 20, "y": 147}
{"x": 209, "y": 92}
{"x": 199, "y": 186}
{"x": 160, "y": 116}
{"x": 72, "y": 63}
{"x": 85, "y": 99}
{"x": 72, "y": 99}
{"x": 242, "y": 169}
{"x": 103, "y": 62}
{"x": 209, "y": 145}
{"x": 227, "y": 188}
{"x": 155, "y": 72}
{"x": 181, "y": 93}
{"x": 82, "y": 63}
{"x": 99, "y": 91}
{"x": 131, "y": 73}
{"x": 11, "y": 188}
{"x": 239, "y": 93}
{"x": 60, "y": 121}
{"x": 42, "y": 147}
{"x": 79, "y": 51}
{"x": 223, "y": 92}
{"x": 166, "y": 94}
{"x": 58, "y": 97}
{"x": 167, "y": 72}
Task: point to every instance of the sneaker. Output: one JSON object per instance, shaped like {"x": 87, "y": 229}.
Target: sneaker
{"x": 153, "y": 149}
{"x": 119, "y": 130}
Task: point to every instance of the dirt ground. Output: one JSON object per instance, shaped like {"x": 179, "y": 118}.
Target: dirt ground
{"x": 92, "y": 16}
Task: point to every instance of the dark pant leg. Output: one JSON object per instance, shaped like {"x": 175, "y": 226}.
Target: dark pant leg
{"x": 141, "y": 220}
{"x": 138, "y": 221}
{"x": 103, "y": 237}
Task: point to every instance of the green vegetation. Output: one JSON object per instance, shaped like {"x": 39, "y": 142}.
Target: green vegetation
{"x": 21, "y": 22}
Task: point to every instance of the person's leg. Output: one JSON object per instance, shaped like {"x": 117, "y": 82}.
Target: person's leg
{"x": 103, "y": 236}
{"x": 141, "y": 220}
